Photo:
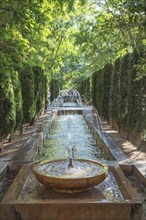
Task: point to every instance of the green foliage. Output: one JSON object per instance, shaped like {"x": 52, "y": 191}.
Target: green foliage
{"x": 99, "y": 90}
{"x": 124, "y": 87}
{"x": 69, "y": 40}
{"x": 17, "y": 99}
{"x": 114, "y": 93}
{"x": 7, "y": 105}
{"x": 27, "y": 86}
{"x": 84, "y": 88}
{"x": 141, "y": 66}
{"x": 136, "y": 98}
{"x": 38, "y": 88}
{"x": 45, "y": 90}
{"x": 94, "y": 76}
{"x": 107, "y": 73}
{"x": 88, "y": 89}
{"x": 54, "y": 89}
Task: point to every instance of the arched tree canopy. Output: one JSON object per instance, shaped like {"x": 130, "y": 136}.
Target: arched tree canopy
{"x": 60, "y": 43}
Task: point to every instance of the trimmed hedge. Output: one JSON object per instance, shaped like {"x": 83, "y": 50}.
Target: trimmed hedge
{"x": 38, "y": 88}
{"x": 94, "y": 76}
{"x": 137, "y": 98}
{"x": 85, "y": 88}
{"x": 107, "y": 73}
{"x": 27, "y": 86}
{"x": 17, "y": 99}
{"x": 114, "y": 94}
{"x": 54, "y": 89}
{"x": 124, "y": 89}
{"x": 7, "y": 105}
{"x": 99, "y": 90}
{"x": 119, "y": 96}
{"x": 22, "y": 95}
{"x": 45, "y": 91}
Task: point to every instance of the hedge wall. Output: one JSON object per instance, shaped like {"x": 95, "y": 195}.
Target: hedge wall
{"x": 93, "y": 91}
{"x": 114, "y": 94}
{"x": 23, "y": 94}
{"x": 85, "y": 88}
{"x": 137, "y": 98}
{"x": 120, "y": 96}
{"x": 54, "y": 89}
{"x": 7, "y": 105}
{"x": 124, "y": 88}
{"x": 28, "y": 95}
{"x": 107, "y": 72}
{"x": 99, "y": 90}
{"x": 17, "y": 99}
{"x": 39, "y": 88}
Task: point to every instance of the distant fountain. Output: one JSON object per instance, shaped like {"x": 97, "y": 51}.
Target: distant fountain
{"x": 70, "y": 97}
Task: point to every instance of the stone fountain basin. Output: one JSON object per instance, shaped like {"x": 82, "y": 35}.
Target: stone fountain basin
{"x": 27, "y": 199}
{"x": 70, "y": 184}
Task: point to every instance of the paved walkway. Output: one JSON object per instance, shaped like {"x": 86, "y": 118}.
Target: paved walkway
{"x": 136, "y": 156}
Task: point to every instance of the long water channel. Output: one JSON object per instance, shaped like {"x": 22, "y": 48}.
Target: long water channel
{"x": 85, "y": 148}
{"x": 79, "y": 136}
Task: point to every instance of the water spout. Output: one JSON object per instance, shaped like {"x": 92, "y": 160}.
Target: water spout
{"x": 70, "y": 162}
{"x": 70, "y": 146}
{"x": 69, "y": 123}
{"x": 70, "y": 150}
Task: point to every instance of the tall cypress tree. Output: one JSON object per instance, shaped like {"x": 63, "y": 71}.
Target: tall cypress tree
{"x": 45, "y": 90}
{"x": 38, "y": 88}
{"x": 82, "y": 87}
{"x": 114, "y": 94}
{"x": 7, "y": 104}
{"x": 17, "y": 98}
{"x": 27, "y": 86}
{"x": 136, "y": 100}
{"x": 107, "y": 73}
{"x": 94, "y": 76}
{"x": 124, "y": 87}
{"x": 54, "y": 89}
{"x": 87, "y": 87}
{"x": 99, "y": 90}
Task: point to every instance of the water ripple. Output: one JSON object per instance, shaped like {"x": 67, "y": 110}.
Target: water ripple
{"x": 79, "y": 136}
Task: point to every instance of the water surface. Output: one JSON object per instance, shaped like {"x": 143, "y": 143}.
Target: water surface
{"x": 78, "y": 136}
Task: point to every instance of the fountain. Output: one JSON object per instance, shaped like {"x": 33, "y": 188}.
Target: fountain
{"x": 104, "y": 191}
{"x": 72, "y": 175}
{"x": 70, "y": 179}
{"x": 67, "y": 98}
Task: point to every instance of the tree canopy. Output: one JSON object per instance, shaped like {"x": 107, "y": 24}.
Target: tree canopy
{"x": 71, "y": 39}
{"x": 63, "y": 43}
